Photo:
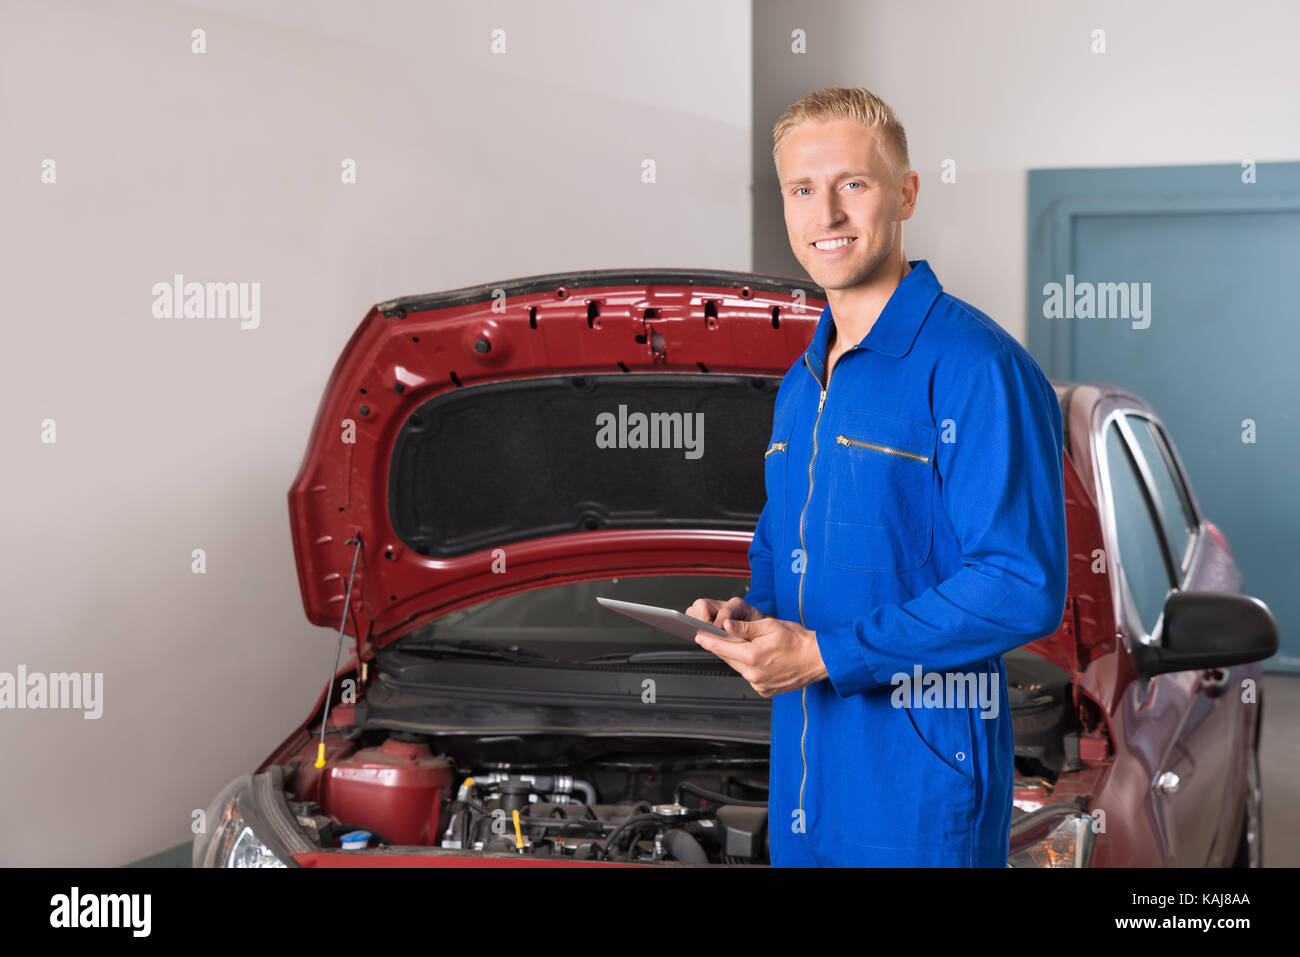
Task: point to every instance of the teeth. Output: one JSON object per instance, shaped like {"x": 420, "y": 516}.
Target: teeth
{"x": 834, "y": 243}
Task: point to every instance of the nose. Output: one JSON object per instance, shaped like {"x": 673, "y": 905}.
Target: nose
{"x": 829, "y": 212}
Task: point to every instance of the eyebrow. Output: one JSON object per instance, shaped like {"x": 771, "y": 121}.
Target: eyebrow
{"x": 807, "y": 179}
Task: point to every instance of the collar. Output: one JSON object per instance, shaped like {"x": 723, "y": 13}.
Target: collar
{"x": 895, "y": 328}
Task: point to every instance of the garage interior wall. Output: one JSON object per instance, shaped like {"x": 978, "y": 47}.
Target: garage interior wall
{"x": 174, "y": 435}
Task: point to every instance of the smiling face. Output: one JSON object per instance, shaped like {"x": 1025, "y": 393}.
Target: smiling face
{"x": 842, "y": 203}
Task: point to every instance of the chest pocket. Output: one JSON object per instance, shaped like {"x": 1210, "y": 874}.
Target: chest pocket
{"x": 882, "y": 489}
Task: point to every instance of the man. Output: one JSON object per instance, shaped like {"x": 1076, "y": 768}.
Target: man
{"x": 914, "y": 529}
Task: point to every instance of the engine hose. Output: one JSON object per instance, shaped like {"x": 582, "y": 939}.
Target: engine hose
{"x": 711, "y": 796}
{"x": 684, "y": 847}
{"x": 584, "y": 829}
{"x": 629, "y": 822}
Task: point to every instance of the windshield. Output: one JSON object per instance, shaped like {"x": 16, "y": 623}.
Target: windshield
{"x": 565, "y": 621}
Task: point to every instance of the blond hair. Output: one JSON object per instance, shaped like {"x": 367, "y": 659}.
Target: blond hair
{"x": 849, "y": 103}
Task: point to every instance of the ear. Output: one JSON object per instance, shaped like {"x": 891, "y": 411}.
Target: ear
{"x": 908, "y": 190}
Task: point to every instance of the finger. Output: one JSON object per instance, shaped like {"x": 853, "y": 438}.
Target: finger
{"x": 726, "y": 610}
{"x": 740, "y": 628}
{"x": 724, "y": 650}
{"x": 741, "y": 609}
{"x": 706, "y": 608}
{"x": 719, "y": 646}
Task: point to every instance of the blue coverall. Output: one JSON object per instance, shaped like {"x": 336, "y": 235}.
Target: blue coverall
{"x": 915, "y": 516}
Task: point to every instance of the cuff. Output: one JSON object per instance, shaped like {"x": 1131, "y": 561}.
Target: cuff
{"x": 847, "y": 670}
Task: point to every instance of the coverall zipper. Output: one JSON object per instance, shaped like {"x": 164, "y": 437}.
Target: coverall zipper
{"x": 803, "y": 697}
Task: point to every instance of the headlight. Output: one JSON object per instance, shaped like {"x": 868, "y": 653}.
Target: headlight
{"x": 230, "y": 840}
{"x": 1052, "y": 837}
{"x": 250, "y": 852}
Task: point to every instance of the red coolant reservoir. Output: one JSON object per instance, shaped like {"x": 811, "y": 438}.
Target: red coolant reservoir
{"x": 396, "y": 789}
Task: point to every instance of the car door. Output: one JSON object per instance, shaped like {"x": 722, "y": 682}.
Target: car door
{"x": 1224, "y": 738}
{"x": 1183, "y": 726}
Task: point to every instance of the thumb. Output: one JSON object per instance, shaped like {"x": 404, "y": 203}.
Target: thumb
{"x": 742, "y": 628}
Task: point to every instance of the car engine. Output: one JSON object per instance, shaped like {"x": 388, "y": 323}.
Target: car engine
{"x": 559, "y": 815}
{"x": 628, "y": 800}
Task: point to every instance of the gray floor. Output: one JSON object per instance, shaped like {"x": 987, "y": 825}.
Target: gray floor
{"x": 1279, "y": 768}
{"x": 178, "y": 856}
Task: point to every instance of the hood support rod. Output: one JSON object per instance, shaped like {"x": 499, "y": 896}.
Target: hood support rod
{"x": 338, "y": 651}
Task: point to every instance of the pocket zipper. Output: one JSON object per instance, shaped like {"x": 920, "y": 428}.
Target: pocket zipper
{"x": 775, "y": 447}
{"x": 845, "y": 440}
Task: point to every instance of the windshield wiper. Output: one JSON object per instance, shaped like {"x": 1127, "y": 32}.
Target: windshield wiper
{"x": 439, "y": 648}
{"x": 471, "y": 649}
{"x": 689, "y": 655}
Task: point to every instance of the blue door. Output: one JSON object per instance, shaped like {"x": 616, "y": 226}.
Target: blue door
{"x": 1177, "y": 283}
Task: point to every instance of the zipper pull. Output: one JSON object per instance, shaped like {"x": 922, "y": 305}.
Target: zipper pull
{"x": 822, "y": 401}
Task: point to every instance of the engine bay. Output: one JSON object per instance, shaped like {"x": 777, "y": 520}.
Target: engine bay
{"x": 598, "y": 799}
{"x": 645, "y": 797}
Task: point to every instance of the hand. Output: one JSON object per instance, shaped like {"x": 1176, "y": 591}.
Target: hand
{"x": 716, "y": 611}
{"x": 779, "y": 655}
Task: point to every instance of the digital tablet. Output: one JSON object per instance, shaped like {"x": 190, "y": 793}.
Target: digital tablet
{"x": 668, "y": 619}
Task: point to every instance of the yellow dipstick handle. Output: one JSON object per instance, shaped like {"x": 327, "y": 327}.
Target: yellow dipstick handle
{"x": 519, "y": 834}
{"x": 320, "y": 755}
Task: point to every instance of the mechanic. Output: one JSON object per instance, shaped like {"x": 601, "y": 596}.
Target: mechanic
{"x": 915, "y": 516}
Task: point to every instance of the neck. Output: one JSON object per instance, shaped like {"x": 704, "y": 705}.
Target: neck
{"x": 856, "y": 309}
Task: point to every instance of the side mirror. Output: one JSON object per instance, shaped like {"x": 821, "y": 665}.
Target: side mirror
{"x": 1209, "y": 629}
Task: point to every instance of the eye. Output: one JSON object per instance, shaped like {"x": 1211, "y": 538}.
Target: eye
{"x": 856, "y": 183}
{"x": 796, "y": 192}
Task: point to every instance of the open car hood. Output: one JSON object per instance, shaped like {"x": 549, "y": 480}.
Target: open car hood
{"x": 457, "y": 451}
{"x": 460, "y": 439}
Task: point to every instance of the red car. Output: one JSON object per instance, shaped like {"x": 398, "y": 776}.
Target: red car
{"x": 485, "y": 462}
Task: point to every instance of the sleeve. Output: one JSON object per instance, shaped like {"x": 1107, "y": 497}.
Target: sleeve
{"x": 762, "y": 577}
{"x": 1003, "y": 489}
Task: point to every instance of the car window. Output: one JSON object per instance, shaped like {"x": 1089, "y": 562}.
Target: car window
{"x": 1140, "y": 551}
{"x": 1175, "y": 513}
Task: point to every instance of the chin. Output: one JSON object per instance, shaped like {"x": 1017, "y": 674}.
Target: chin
{"x": 844, "y": 278}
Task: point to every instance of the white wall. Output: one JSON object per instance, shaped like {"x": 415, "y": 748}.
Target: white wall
{"x": 181, "y": 434}
{"x": 1004, "y": 86}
